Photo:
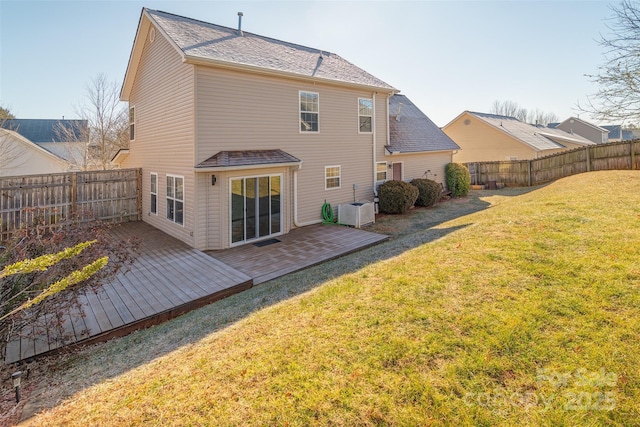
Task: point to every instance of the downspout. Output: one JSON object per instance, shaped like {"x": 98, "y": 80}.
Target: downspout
{"x": 295, "y": 202}
{"x": 373, "y": 143}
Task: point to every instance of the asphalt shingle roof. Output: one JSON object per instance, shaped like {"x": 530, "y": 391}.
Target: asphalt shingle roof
{"x": 536, "y": 137}
{"x": 248, "y": 158}
{"x": 202, "y": 40}
{"x": 412, "y": 131}
{"x": 43, "y": 130}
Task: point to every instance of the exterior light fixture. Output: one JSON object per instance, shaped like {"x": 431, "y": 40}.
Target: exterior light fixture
{"x": 16, "y": 377}
{"x": 213, "y": 180}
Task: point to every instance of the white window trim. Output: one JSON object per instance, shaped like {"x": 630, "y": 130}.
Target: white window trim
{"x": 313, "y": 132}
{"x": 173, "y": 198}
{"x": 132, "y": 123}
{"x": 360, "y": 115}
{"x": 339, "y": 177}
{"x": 386, "y": 172}
{"x": 152, "y": 193}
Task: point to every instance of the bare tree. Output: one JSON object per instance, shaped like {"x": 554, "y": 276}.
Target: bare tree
{"x": 108, "y": 124}
{"x": 619, "y": 76}
{"x": 513, "y": 109}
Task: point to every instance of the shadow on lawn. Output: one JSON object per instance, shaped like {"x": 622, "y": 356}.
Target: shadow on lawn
{"x": 91, "y": 365}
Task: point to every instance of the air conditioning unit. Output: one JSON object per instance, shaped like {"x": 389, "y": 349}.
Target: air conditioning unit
{"x": 356, "y": 214}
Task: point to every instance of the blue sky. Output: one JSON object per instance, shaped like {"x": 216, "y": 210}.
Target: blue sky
{"x": 447, "y": 57}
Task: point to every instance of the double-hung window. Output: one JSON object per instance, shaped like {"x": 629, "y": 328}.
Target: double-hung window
{"x": 132, "y": 123}
{"x": 154, "y": 193}
{"x": 175, "y": 199}
{"x": 365, "y": 115}
{"x": 381, "y": 171}
{"x": 331, "y": 177}
{"x": 309, "y": 111}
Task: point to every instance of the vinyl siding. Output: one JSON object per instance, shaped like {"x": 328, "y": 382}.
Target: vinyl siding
{"x": 21, "y": 159}
{"x": 162, "y": 95}
{"x": 242, "y": 111}
{"x": 583, "y": 130}
{"x": 480, "y": 142}
{"x": 416, "y": 165}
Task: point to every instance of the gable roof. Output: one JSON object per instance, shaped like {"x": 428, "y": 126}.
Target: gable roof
{"x": 247, "y": 159}
{"x": 577, "y": 119}
{"x": 411, "y": 131}
{"x": 536, "y": 137}
{"x": 44, "y": 130}
{"x": 201, "y": 42}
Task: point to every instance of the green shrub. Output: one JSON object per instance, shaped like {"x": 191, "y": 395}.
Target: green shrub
{"x": 396, "y": 196}
{"x": 428, "y": 192}
{"x": 458, "y": 179}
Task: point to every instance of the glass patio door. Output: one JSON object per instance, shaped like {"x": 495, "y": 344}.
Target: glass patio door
{"x": 256, "y": 207}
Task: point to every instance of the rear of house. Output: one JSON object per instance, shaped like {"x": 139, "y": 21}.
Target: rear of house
{"x": 242, "y": 137}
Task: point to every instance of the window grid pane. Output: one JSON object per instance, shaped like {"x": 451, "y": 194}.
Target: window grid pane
{"x": 332, "y": 177}
{"x": 365, "y": 114}
{"x": 175, "y": 199}
{"x": 309, "y": 111}
{"x": 381, "y": 171}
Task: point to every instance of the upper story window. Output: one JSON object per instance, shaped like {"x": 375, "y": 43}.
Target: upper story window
{"x": 175, "y": 199}
{"x": 331, "y": 177}
{"x": 365, "y": 115}
{"x": 132, "y": 123}
{"x": 309, "y": 111}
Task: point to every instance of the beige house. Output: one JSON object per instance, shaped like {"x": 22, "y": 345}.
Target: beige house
{"x": 489, "y": 137}
{"x": 19, "y": 156}
{"x": 242, "y": 137}
{"x": 575, "y": 125}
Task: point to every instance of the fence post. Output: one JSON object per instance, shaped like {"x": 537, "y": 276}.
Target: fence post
{"x": 633, "y": 155}
{"x": 74, "y": 192}
{"x": 588, "y": 158}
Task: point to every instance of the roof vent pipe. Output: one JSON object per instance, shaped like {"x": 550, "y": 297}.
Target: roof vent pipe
{"x": 240, "y": 24}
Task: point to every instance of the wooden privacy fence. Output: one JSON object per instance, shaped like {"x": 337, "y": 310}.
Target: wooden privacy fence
{"x": 111, "y": 195}
{"x": 523, "y": 173}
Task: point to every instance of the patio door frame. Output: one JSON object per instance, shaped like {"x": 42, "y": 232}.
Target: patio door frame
{"x": 255, "y": 209}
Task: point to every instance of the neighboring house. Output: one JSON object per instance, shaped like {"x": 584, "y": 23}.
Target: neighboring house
{"x": 618, "y": 133}
{"x": 490, "y": 137}
{"x": 242, "y": 137}
{"x": 67, "y": 145}
{"x": 19, "y": 156}
{"x": 575, "y": 125}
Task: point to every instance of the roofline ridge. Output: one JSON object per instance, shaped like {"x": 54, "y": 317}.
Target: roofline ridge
{"x": 234, "y": 30}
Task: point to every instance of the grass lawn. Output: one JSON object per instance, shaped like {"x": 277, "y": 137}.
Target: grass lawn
{"x": 526, "y": 313}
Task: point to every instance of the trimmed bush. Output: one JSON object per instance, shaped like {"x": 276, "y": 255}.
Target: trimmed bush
{"x": 458, "y": 179}
{"x": 396, "y": 197}
{"x": 428, "y": 192}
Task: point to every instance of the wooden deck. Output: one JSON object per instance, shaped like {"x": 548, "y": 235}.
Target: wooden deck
{"x": 167, "y": 279}
{"x": 170, "y": 278}
{"x": 299, "y": 249}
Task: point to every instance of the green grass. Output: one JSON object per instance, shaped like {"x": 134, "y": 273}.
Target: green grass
{"x": 526, "y": 313}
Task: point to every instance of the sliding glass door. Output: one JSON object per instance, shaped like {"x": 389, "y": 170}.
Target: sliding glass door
{"x": 256, "y": 206}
